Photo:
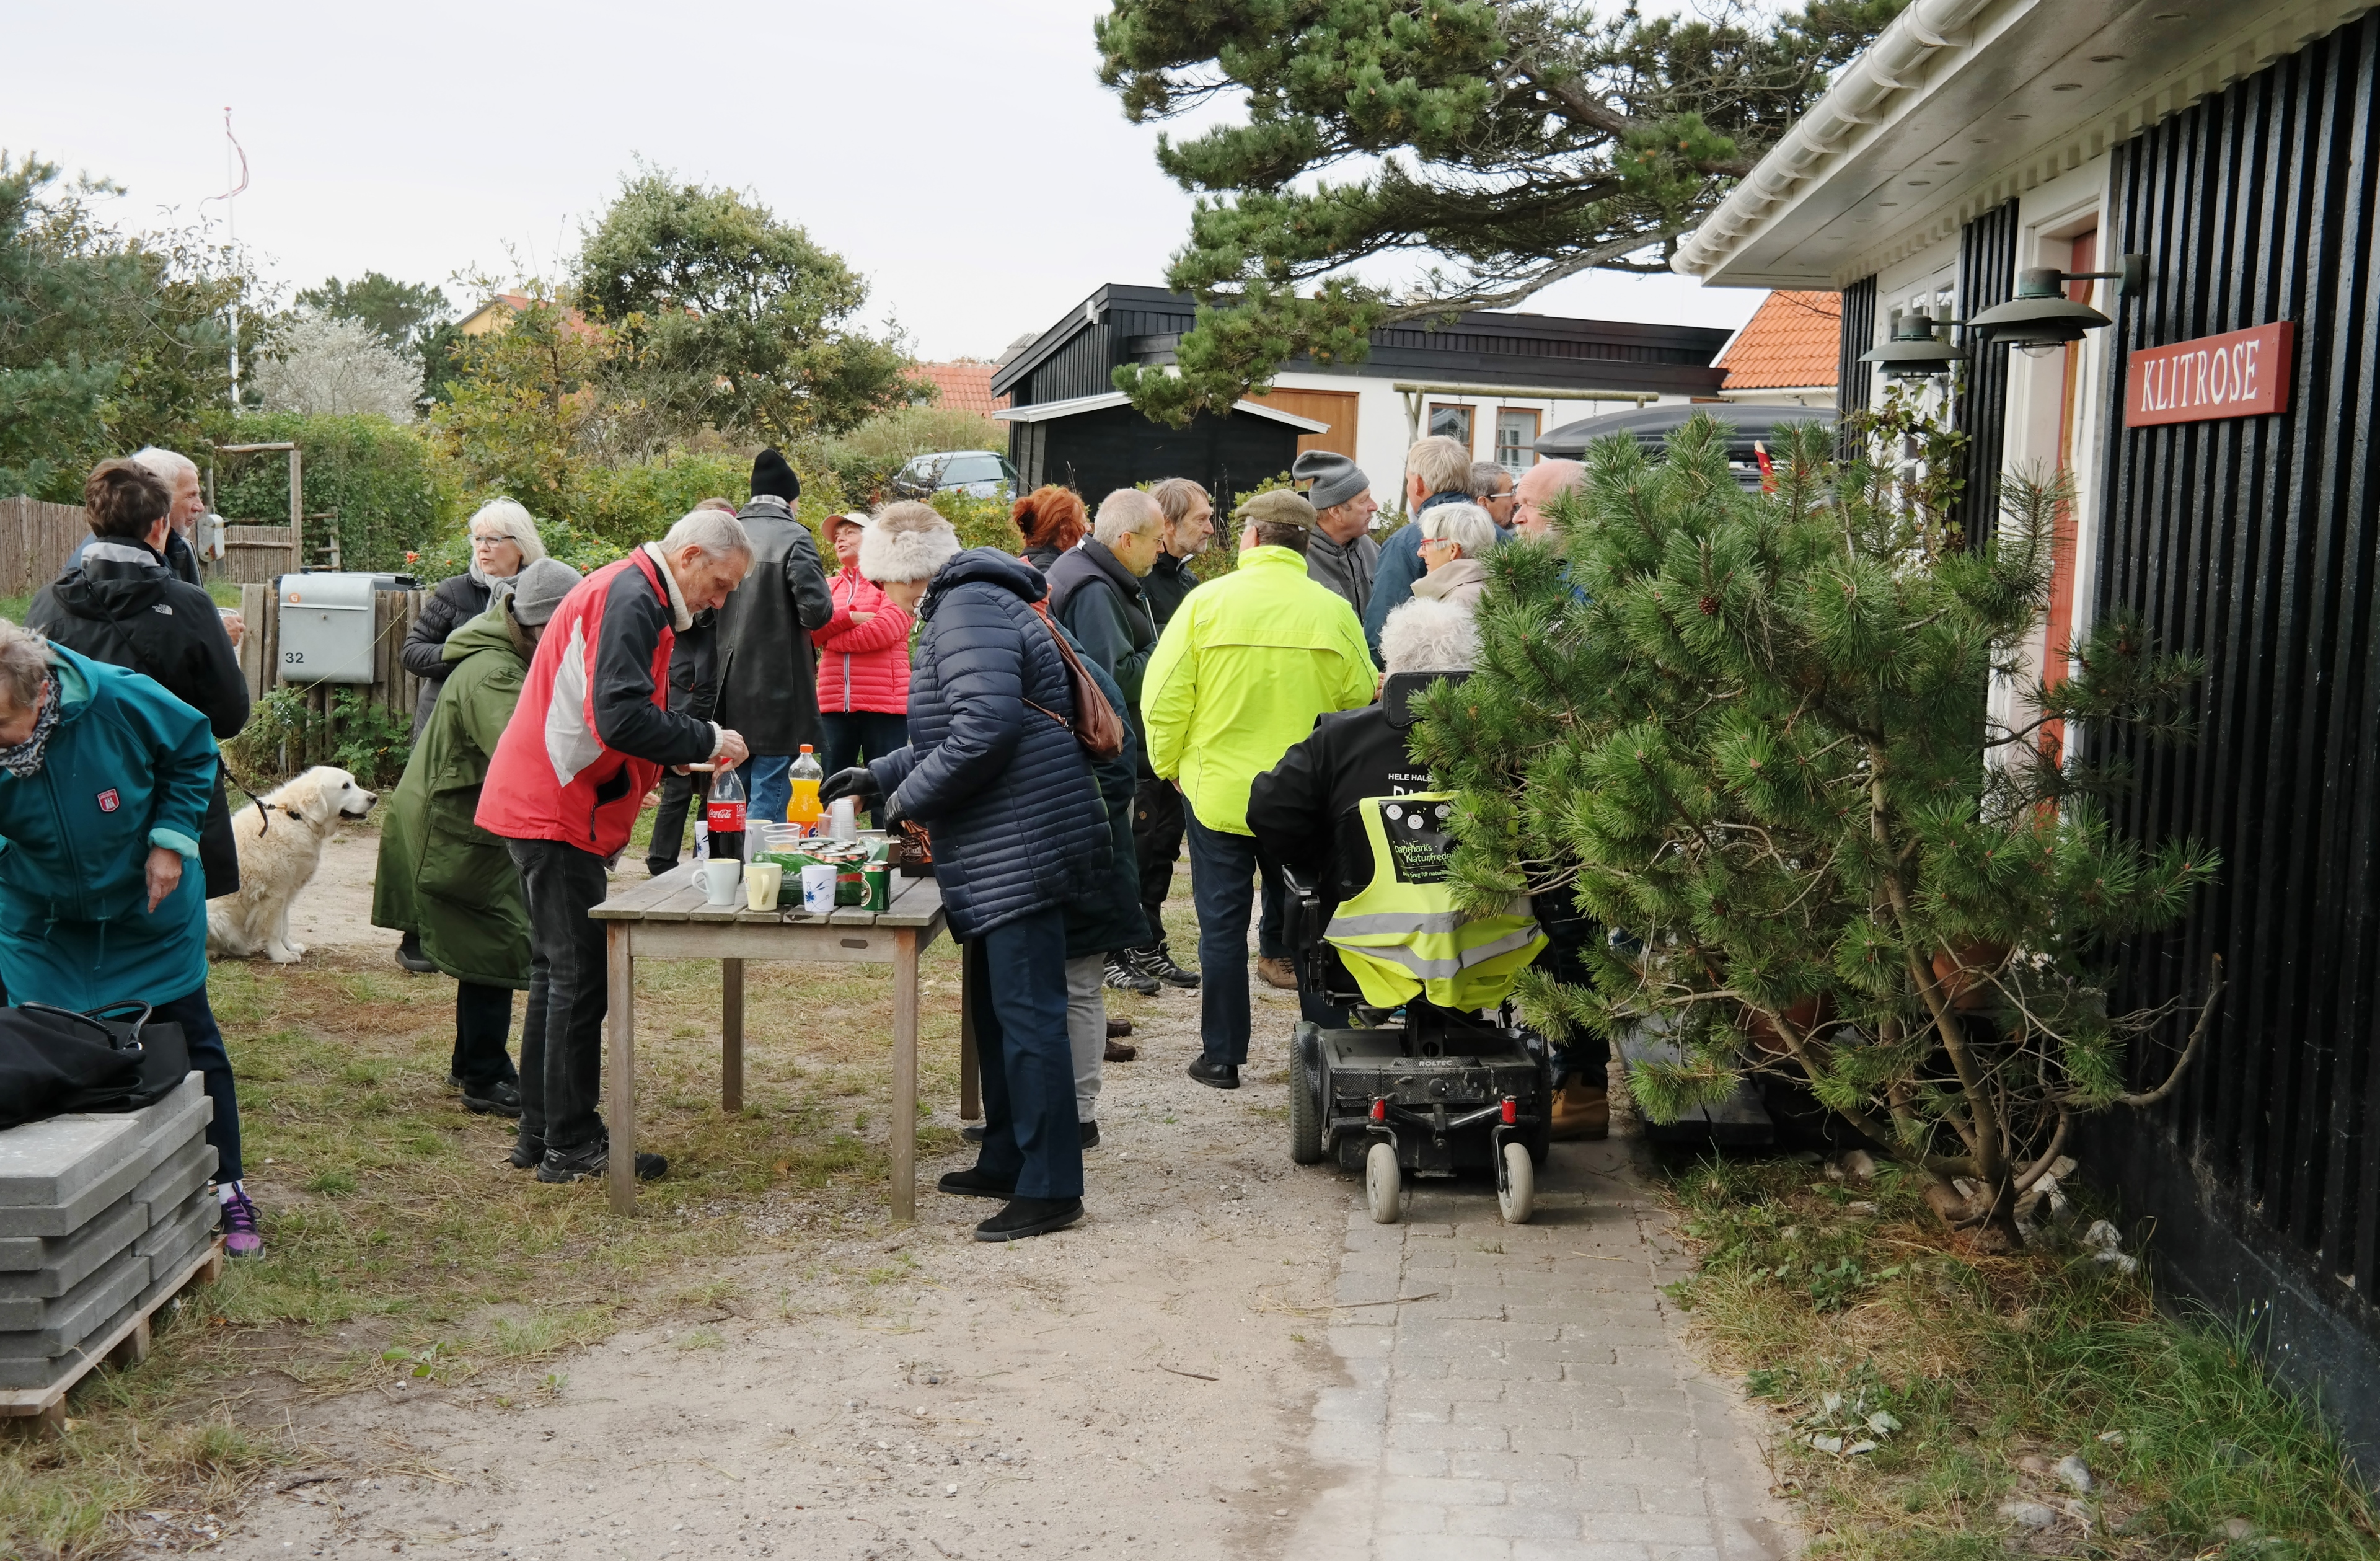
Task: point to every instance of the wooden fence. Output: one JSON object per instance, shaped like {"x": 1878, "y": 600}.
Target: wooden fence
{"x": 324, "y": 727}
{"x": 37, "y": 541}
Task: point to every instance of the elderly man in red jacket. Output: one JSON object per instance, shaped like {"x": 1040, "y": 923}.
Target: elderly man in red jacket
{"x": 590, "y": 736}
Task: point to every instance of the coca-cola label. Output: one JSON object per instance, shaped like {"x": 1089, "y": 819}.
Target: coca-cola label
{"x": 726, "y": 818}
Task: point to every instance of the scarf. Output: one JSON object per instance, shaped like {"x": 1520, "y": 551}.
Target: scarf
{"x": 24, "y": 761}
{"x": 497, "y": 589}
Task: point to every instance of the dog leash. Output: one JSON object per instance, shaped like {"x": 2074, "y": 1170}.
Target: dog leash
{"x": 264, "y": 819}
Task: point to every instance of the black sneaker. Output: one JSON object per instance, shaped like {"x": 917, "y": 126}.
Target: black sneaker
{"x": 973, "y": 1183}
{"x": 593, "y": 1161}
{"x": 409, "y": 954}
{"x": 1158, "y": 961}
{"x": 1127, "y": 978}
{"x": 972, "y": 1134}
{"x": 1090, "y": 1135}
{"x": 1214, "y": 1075}
{"x": 1029, "y": 1216}
{"x": 499, "y": 1099}
{"x": 528, "y": 1154}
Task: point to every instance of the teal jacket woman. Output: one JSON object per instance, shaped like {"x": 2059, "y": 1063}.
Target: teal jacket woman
{"x": 110, "y": 768}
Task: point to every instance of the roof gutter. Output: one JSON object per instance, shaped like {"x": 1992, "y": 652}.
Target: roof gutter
{"x": 1893, "y": 63}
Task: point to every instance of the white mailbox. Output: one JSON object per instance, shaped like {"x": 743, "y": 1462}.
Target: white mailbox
{"x": 327, "y": 626}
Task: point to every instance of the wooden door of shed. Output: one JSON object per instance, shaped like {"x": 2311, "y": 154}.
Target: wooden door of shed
{"x": 1335, "y": 408}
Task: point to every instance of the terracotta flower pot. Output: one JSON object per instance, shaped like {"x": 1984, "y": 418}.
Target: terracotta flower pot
{"x": 1963, "y": 979}
{"x": 1803, "y": 1016}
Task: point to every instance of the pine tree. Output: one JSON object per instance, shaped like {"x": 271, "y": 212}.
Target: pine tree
{"x": 1752, "y": 733}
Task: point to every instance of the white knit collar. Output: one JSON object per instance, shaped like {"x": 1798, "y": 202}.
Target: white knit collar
{"x": 685, "y": 619}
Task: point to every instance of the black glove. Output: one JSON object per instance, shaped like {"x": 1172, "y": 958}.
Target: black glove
{"x": 858, "y": 781}
{"x": 889, "y": 814}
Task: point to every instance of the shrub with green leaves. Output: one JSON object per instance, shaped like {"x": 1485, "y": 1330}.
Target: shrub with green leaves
{"x": 1754, "y": 733}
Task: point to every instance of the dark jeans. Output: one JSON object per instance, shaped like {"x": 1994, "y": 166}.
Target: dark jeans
{"x": 850, "y": 733}
{"x": 483, "y": 1022}
{"x": 562, "y": 1058}
{"x": 204, "y": 1038}
{"x": 1016, "y": 980}
{"x": 678, "y": 794}
{"x": 1157, "y": 842}
{"x": 1224, "y": 873}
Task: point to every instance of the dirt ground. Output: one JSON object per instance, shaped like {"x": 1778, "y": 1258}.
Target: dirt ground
{"x": 1144, "y": 1380}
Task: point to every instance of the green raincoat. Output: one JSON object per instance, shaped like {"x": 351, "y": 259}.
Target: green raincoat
{"x": 441, "y": 874}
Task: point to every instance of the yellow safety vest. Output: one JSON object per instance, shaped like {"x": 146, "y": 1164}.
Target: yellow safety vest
{"x": 1402, "y": 937}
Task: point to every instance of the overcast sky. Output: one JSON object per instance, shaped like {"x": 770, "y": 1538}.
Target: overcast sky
{"x": 960, "y": 152}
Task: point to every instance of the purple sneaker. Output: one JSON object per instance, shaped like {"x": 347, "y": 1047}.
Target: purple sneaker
{"x": 240, "y": 1237}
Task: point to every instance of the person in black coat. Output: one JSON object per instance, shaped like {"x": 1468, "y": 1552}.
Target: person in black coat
{"x": 119, "y": 603}
{"x": 994, "y": 771}
{"x": 768, "y": 664}
{"x": 504, "y": 542}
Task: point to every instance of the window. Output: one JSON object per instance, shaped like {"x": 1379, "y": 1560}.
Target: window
{"x": 971, "y": 469}
{"x": 1454, "y": 422}
{"x": 1516, "y": 431}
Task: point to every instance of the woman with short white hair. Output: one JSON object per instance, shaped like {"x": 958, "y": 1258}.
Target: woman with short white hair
{"x": 1453, "y": 539}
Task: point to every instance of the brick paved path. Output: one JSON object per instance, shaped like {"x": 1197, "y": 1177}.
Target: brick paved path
{"x": 1535, "y": 1403}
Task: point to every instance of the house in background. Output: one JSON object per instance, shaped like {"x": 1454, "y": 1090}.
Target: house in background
{"x": 1785, "y": 355}
{"x": 1494, "y": 381}
{"x": 497, "y": 314}
{"x": 964, "y": 383}
{"x": 2215, "y": 415}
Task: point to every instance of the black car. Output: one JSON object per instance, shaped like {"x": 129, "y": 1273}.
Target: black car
{"x": 1746, "y": 422}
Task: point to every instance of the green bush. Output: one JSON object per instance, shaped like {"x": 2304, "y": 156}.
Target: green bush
{"x": 863, "y": 460}
{"x": 391, "y": 493}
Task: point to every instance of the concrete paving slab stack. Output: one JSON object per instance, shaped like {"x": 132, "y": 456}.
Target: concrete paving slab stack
{"x": 98, "y": 1214}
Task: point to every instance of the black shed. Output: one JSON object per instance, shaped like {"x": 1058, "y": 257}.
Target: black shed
{"x": 1097, "y": 444}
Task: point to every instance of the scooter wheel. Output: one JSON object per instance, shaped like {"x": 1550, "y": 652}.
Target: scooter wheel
{"x": 1383, "y": 1184}
{"x": 1516, "y": 1193}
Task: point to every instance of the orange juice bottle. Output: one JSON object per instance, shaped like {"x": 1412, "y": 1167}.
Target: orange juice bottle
{"x": 804, "y": 808}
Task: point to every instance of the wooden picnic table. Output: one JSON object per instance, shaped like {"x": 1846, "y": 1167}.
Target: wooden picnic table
{"x": 666, "y": 918}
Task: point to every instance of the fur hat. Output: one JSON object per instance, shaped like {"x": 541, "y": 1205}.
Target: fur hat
{"x": 538, "y": 589}
{"x": 1277, "y": 507}
{"x": 1424, "y": 635}
{"x": 907, "y": 541}
{"x": 771, "y": 475}
{"x": 1336, "y": 479}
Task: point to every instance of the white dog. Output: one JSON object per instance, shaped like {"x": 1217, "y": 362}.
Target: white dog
{"x": 280, "y": 839}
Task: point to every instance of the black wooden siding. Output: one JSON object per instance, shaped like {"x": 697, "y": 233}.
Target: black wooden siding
{"x": 1854, "y": 379}
{"x": 2252, "y": 542}
{"x": 1987, "y": 276}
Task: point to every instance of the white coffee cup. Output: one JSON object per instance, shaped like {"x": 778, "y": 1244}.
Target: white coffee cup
{"x": 818, "y": 888}
{"x": 762, "y": 880}
{"x": 723, "y": 879}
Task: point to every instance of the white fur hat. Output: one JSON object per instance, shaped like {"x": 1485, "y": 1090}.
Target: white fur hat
{"x": 1424, "y": 635}
{"x": 907, "y": 541}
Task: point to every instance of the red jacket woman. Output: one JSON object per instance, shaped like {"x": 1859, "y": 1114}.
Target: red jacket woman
{"x": 863, "y": 675}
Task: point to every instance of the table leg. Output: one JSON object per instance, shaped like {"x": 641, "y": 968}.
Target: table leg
{"x": 731, "y": 1036}
{"x": 620, "y": 1068}
{"x": 905, "y": 1077}
{"x": 970, "y": 1080}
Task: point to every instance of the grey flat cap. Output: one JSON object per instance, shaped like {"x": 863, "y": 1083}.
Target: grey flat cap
{"x": 1336, "y": 479}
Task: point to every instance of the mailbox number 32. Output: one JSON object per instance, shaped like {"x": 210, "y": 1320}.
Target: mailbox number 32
{"x": 293, "y": 657}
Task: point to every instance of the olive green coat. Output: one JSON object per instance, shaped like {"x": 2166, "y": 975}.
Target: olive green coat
{"x": 441, "y": 874}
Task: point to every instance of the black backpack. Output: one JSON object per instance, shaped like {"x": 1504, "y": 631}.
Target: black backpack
{"x": 55, "y": 1060}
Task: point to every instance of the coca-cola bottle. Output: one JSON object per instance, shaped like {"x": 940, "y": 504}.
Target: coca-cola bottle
{"x": 725, "y": 814}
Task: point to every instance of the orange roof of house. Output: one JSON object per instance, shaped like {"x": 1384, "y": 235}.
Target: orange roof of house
{"x": 965, "y": 382}
{"x": 1791, "y": 342}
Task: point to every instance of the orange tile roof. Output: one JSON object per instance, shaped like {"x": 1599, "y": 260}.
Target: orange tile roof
{"x": 964, "y": 383}
{"x": 1790, "y": 342}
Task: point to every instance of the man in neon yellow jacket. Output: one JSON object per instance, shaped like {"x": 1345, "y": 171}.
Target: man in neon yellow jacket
{"x": 1241, "y": 672}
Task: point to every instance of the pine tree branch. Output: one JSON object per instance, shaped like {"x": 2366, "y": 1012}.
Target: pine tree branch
{"x": 2190, "y": 1050}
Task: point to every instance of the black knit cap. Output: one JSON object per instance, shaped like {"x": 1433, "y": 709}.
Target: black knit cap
{"x": 771, "y": 475}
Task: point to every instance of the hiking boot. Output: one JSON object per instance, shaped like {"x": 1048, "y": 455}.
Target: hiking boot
{"x": 241, "y": 1239}
{"x": 1125, "y": 978}
{"x": 1214, "y": 1075}
{"x": 1090, "y": 1135}
{"x": 594, "y": 1161}
{"x": 409, "y": 954}
{"x": 1029, "y": 1216}
{"x": 1158, "y": 961}
{"x": 499, "y": 1099}
{"x": 1119, "y": 1029}
{"x": 1580, "y": 1111}
{"x": 1276, "y": 972}
{"x": 528, "y": 1154}
{"x": 1118, "y": 1052}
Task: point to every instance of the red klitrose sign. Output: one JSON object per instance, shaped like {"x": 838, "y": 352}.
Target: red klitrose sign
{"x": 2237, "y": 374}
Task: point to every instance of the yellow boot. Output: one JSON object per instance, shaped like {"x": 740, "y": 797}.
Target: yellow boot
{"x": 1580, "y": 1111}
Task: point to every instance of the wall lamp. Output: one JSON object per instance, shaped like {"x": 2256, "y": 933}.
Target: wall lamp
{"x": 2041, "y": 318}
{"x": 1913, "y": 351}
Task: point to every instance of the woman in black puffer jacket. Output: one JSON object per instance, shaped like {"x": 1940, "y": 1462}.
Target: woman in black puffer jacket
{"x": 504, "y": 542}
{"x": 1019, "y": 830}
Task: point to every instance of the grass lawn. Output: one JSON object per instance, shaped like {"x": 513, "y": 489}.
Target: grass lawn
{"x": 398, "y": 1243}
{"x": 1924, "y": 1397}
